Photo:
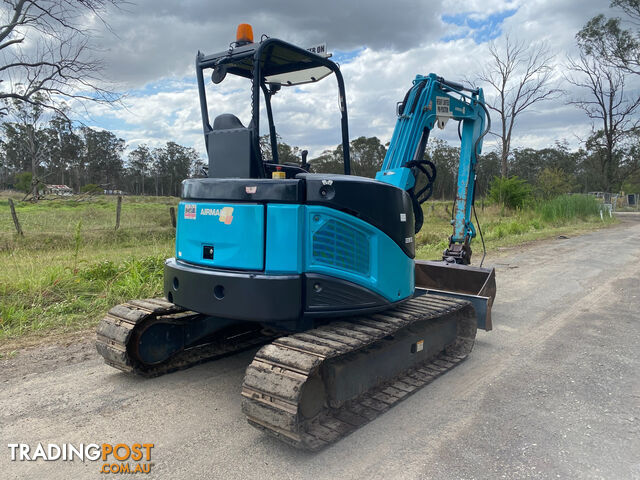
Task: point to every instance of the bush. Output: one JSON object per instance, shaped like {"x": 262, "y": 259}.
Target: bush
{"x": 568, "y": 207}
{"x": 91, "y": 188}
{"x": 23, "y": 181}
{"x": 512, "y": 192}
{"x": 552, "y": 182}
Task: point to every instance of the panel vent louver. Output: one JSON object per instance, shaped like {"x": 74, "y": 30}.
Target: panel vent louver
{"x": 339, "y": 245}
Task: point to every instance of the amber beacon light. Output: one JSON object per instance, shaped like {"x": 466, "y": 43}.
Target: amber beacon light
{"x": 244, "y": 34}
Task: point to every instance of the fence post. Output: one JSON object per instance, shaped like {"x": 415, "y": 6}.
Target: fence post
{"x": 118, "y": 208}
{"x": 172, "y": 212}
{"x": 14, "y": 215}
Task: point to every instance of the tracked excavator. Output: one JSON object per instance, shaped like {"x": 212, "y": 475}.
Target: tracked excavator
{"x": 317, "y": 268}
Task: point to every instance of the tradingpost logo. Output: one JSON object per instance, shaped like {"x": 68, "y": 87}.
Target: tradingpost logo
{"x": 113, "y": 458}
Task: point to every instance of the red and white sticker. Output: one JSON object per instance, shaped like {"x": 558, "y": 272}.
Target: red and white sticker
{"x": 190, "y": 211}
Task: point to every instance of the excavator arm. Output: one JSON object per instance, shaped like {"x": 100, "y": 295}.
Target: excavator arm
{"x": 432, "y": 101}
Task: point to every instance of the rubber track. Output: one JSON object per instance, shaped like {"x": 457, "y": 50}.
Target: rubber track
{"x": 275, "y": 380}
{"x": 119, "y": 327}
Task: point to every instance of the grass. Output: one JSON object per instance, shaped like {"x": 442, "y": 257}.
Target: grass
{"x": 567, "y": 214}
{"x": 72, "y": 266}
{"x": 569, "y": 207}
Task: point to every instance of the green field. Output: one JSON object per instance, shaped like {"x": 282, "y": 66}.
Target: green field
{"x": 71, "y": 265}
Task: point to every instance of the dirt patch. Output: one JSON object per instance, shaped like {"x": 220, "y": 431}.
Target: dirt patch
{"x": 37, "y": 354}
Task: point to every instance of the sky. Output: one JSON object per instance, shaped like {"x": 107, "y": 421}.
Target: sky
{"x": 381, "y": 45}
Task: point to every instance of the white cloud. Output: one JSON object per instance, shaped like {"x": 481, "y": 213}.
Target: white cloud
{"x": 394, "y": 42}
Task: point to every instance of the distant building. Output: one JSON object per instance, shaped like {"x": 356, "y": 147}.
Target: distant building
{"x": 62, "y": 190}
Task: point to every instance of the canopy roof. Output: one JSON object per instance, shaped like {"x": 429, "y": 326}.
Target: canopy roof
{"x": 280, "y": 62}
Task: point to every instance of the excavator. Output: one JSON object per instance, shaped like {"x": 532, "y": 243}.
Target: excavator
{"x": 318, "y": 269}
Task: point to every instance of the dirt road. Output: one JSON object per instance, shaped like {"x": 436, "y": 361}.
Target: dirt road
{"x": 552, "y": 392}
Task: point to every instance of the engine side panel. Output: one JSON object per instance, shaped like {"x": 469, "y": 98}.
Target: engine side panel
{"x": 234, "y": 233}
{"x": 343, "y": 246}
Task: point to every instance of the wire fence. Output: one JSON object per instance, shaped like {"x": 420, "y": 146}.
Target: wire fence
{"x": 65, "y": 217}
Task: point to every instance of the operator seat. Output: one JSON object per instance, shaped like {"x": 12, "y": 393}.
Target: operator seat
{"x": 230, "y": 149}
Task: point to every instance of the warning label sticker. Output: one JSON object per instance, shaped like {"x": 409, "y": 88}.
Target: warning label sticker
{"x": 442, "y": 107}
{"x": 190, "y": 211}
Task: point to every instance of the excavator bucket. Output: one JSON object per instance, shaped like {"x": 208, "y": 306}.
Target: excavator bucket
{"x": 475, "y": 284}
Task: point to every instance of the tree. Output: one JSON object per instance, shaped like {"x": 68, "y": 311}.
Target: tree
{"x": 91, "y": 159}
{"x": 46, "y": 53}
{"x": 173, "y": 163}
{"x": 102, "y": 157}
{"x": 445, "y": 158}
{"x": 16, "y": 156}
{"x": 631, "y": 182}
{"x": 487, "y": 168}
{"x": 140, "y": 161}
{"x": 611, "y": 109}
{"x": 366, "y": 155}
{"x": 27, "y": 137}
{"x": 609, "y": 40}
{"x": 64, "y": 146}
{"x": 4, "y": 167}
{"x": 329, "y": 161}
{"x": 286, "y": 153}
{"x": 519, "y": 76}
{"x": 528, "y": 163}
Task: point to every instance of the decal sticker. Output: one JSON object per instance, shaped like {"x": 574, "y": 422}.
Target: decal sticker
{"x": 408, "y": 240}
{"x": 320, "y": 49}
{"x": 442, "y": 107}
{"x": 190, "y": 211}
{"x": 226, "y": 215}
{"x": 403, "y": 217}
{"x": 250, "y": 190}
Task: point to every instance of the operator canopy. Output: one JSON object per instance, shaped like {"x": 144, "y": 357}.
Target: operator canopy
{"x": 280, "y": 63}
{"x": 269, "y": 64}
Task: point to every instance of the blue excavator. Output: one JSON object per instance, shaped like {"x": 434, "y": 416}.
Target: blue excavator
{"x": 319, "y": 269}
